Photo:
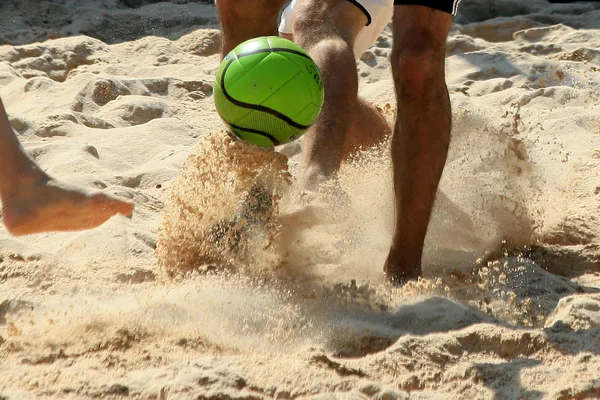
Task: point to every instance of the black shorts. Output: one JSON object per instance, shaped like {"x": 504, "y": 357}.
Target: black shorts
{"x": 449, "y": 6}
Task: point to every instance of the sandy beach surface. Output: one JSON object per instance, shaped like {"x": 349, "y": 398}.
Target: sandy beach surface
{"x": 184, "y": 301}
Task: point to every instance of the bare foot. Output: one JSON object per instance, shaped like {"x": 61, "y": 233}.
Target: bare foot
{"x": 398, "y": 271}
{"x": 46, "y": 205}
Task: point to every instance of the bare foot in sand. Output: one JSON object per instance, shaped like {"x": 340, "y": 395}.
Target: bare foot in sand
{"x": 400, "y": 269}
{"x": 42, "y": 204}
{"x": 32, "y": 202}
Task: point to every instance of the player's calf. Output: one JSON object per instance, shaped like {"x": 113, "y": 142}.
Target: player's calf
{"x": 327, "y": 30}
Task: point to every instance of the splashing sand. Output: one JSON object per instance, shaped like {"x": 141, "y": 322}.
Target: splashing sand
{"x": 288, "y": 300}
{"x": 222, "y": 207}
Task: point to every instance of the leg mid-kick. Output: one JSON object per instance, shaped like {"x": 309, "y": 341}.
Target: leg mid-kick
{"x": 368, "y": 127}
{"x": 327, "y": 30}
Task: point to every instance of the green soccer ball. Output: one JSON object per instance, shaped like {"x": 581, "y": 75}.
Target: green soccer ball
{"x": 268, "y": 91}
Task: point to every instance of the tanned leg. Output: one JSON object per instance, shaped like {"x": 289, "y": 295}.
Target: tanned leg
{"x": 368, "y": 128}
{"x": 327, "y": 30}
{"x": 32, "y": 202}
{"x": 422, "y": 131}
{"x": 242, "y": 20}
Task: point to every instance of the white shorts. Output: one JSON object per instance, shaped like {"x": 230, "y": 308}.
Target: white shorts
{"x": 378, "y": 12}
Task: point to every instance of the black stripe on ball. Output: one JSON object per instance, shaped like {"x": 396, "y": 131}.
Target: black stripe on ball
{"x": 257, "y": 132}
{"x": 256, "y": 107}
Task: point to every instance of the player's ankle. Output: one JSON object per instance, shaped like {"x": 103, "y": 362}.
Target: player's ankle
{"x": 22, "y": 181}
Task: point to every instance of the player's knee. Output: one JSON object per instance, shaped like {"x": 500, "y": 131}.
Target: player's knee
{"x": 417, "y": 62}
{"x": 311, "y": 32}
{"x": 328, "y": 45}
{"x": 326, "y": 49}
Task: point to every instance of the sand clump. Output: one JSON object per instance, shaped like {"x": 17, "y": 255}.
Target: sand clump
{"x": 227, "y": 283}
{"x": 246, "y": 182}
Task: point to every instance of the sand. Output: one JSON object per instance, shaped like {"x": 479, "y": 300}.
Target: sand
{"x": 117, "y": 95}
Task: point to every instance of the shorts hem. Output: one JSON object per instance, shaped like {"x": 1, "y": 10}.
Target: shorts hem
{"x": 363, "y": 9}
{"x": 450, "y": 7}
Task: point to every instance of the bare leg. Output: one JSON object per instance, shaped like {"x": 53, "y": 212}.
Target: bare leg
{"x": 33, "y": 202}
{"x": 327, "y": 30}
{"x": 242, "y": 20}
{"x": 422, "y": 131}
{"x": 368, "y": 129}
